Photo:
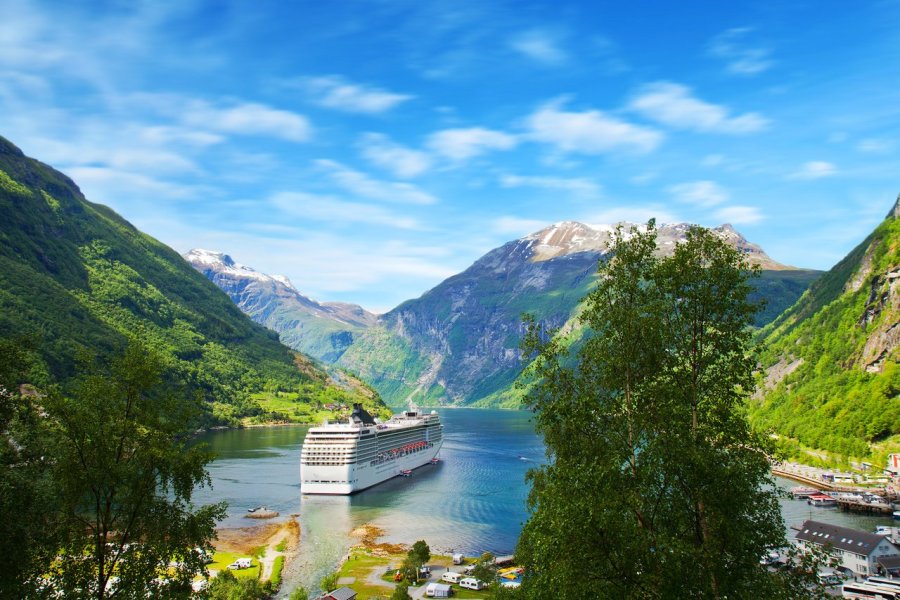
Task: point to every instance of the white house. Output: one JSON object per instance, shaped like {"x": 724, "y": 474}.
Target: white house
{"x": 857, "y": 551}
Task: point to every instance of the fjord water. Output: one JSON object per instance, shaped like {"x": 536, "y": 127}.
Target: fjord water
{"x": 472, "y": 501}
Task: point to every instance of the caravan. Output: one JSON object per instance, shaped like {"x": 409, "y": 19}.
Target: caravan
{"x": 470, "y": 583}
{"x": 451, "y": 577}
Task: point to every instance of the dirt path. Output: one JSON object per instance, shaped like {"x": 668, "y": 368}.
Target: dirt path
{"x": 244, "y": 540}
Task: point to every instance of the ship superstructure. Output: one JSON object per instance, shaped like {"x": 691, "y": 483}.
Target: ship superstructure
{"x": 342, "y": 458}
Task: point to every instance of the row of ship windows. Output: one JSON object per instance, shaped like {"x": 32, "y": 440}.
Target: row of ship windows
{"x": 329, "y": 481}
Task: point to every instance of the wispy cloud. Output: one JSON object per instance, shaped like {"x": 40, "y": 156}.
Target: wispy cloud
{"x": 400, "y": 160}
{"x": 333, "y": 210}
{"x": 540, "y": 46}
{"x": 463, "y": 144}
{"x": 875, "y": 145}
{"x": 699, "y": 193}
{"x": 117, "y": 187}
{"x": 589, "y": 132}
{"x": 739, "y": 215}
{"x": 337, "y": 93}
{"x": 814, "y": 169}
{"x": 675, "y": 105}
{"x": 248, "y": 119}
{"x": 740, "y": 55}
{"x": 360, "y": 184}
{"x": 579, "y": 186}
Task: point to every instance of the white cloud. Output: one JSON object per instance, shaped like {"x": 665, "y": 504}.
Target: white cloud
{"x": 362, "y": 185}
{"x": 699, "y": 193}
{"x": 814, "y": 169}
{"x": 739, "y": 215}
{"x": 248, "y": 119}
{"x": 516, "y": 226}
{"x": 712, "y": 160}
{"x": 540, "y": 46}
{"x": 339, "y": 94}
{"x": 332, "y": 210}
{"x": 117, "y": 188}
{"x": 741, "y": 57}
{"x": 576, "y": 185}
{"x": 875, "y": 145}
{"x": 463, "y": 144}
{"x": 403, "y": 162}
{"x": 589, "y": 132}
{"x": 674, "y": 105}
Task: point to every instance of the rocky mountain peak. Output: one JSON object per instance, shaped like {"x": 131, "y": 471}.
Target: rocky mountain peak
{"x": 208, "y": 257}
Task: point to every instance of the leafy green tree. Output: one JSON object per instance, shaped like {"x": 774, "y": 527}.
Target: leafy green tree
{"x": 27, "y": 495}
{"x": 401, "y": 592}
{"x": 329, "y": 582}
{"x": 225, "y": 586}
{"x": 485, "y": 570}
{"x": 656, "y": 487}
{"x": 299, "y": 594}
{"x": 125, "y": 469}
{"x": 415, "y": 559}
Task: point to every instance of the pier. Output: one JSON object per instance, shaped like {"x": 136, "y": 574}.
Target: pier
{"x": 865, "y": 507}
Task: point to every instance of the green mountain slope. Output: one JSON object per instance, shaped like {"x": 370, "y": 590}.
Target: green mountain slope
{"x": 830, "y": 377}
{"x": 75, "y": 277}
{"x": 459, "y": 342}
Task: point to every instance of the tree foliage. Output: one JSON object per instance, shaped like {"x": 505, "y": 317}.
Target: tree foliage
{"x": 656, "y": 487}
{"x": 27, "y": 492}
{"x": 125, "y": 471}
{"x": 401, "y": 592}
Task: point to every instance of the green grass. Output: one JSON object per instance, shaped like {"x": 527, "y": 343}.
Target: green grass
{"x": 277, "y": 567}
{"x": 259, "y": 551}
{"x": 221, "y": 560}
{"x": 282, "y": 545}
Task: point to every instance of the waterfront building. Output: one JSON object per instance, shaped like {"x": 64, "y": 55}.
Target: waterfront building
{"x": 856, "y": 551}
{"x": 342, "y": 593}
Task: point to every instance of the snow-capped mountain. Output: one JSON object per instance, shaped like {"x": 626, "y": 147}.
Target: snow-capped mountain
{"x": 321, "y": 329}
{"x": 459, "y": 342}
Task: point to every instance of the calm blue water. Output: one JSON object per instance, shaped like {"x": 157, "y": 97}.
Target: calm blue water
{"x": 471, "y": 502}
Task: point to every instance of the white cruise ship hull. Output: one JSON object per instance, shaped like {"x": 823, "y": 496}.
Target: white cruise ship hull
{"x": 343, "y": 458}
{"x": 355, "y": 478}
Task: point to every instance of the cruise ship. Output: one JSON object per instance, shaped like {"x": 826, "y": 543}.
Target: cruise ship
{"x": 343, "y": 458}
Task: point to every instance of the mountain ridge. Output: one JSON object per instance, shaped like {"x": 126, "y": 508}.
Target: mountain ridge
{"x": 459, "y": 341}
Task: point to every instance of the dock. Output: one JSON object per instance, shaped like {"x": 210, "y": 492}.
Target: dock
{"x": 864, "y": 507}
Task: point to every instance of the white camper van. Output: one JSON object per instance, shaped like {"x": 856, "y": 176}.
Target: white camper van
{"x": 471, "y": 583}
{"x": 451, "y": 577}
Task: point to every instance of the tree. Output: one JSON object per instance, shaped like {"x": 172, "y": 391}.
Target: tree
{"x": 125, "y": 469}
{"x": 656, "y": 487}
{"x": 27, "y": 494}
{"x": 401, "y": 592}
{"x": 485, "y": 569}
{"x": 329, "y": 582}
{"x": 415, "y": 559}
{"x": 225, "y": 586}
{"x": 299, "y": 594}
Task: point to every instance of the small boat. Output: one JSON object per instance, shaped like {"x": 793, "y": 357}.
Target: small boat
{"x": 897, "y": 515}
{"x": 253, "y": 510}
{"x": 435, "y": 460}
{"x": 801, "y": 492}
{"x": 819, "y": 499}
{"x": 406, "y": 473}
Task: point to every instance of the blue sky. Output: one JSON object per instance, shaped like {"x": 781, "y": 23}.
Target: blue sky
{"x": 368, "y": 150}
